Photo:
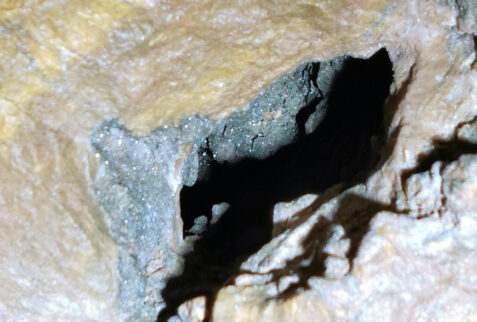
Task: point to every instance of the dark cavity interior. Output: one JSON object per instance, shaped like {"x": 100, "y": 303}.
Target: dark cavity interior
{"x": 343, "y": 149}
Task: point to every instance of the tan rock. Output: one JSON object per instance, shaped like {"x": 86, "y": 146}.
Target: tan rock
{"x": 67, "y": 66}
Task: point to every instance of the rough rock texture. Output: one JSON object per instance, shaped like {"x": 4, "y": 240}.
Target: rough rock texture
{"x": 141, "y": 176}
{"x": 400, "y": 245}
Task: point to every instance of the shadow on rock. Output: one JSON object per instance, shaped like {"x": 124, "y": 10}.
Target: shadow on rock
{"x": 340, "y": 150}
{"x": 354, "y": 214}
{"x": 444, "y": 151}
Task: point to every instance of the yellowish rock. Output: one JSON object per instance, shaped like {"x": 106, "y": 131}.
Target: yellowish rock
{"x": 65, "y": 66}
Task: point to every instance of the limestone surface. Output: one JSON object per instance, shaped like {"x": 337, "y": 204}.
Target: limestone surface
{"x": 157, "y": 77}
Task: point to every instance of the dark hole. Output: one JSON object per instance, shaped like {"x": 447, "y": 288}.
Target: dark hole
{"x": 339, "y": 151}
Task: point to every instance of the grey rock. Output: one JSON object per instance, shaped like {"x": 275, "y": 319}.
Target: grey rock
{"x": 217, "y": 211}
{"x": 140, "y": 178}
{"x": 200, "y": 225}
{"x": 270, "y": 120}
{"x": 137, "y": 187}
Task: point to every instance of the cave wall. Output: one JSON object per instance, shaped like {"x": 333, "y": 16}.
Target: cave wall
{"x": 67, "y": 67}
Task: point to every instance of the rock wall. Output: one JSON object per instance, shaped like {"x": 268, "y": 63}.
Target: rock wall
{"x": 393, "y": 240}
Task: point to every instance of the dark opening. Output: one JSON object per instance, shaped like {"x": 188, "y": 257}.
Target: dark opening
{"x": 341, "y": 150}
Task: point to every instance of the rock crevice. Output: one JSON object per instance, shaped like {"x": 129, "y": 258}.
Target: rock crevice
{"x": 311, "y": 129}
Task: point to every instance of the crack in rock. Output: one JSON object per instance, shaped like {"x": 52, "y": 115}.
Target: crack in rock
{"x": 141, "y": 175}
